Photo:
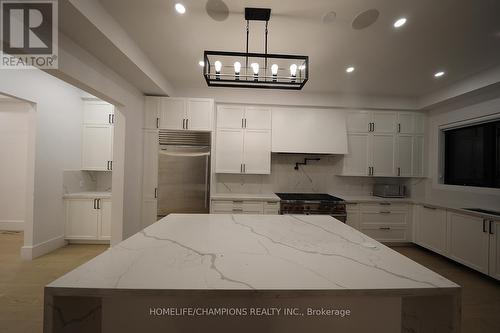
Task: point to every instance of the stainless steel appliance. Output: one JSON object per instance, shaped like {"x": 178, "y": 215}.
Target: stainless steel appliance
{"x": 312, "y": 204}
{"x": 183, "y": 172}
{"x": 389, "y": 190}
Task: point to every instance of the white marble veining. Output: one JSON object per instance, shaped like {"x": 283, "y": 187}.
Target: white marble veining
{"x": 88, "y": 195}
{"x": 245, "y": 196}
{"x": 263, "y": 252}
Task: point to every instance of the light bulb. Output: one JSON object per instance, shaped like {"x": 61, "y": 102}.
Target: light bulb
{"x": 237, "y": 67}
{"x": 302, "y": 67}
{"x": 350, "y": 69}
{"x": 218, "y": 66}
{"x": 399, "y": 23}
{"x": 293, "y": 70}
{"x": 255, "y": 67}
{"x": 179, "y": 7}
{"x": 274, "y": 69}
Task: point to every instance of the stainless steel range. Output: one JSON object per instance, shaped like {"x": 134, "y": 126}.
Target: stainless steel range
{"x": 312, "y": 204}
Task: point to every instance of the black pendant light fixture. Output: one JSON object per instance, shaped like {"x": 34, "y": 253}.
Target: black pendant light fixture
{"x": 255, "y": 70}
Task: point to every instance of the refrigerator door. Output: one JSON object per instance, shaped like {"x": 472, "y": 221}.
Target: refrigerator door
{"x": 183, "y": 180}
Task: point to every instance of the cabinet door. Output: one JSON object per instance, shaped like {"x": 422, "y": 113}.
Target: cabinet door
{"x": 353, "y": 219}
{"x": 419, "y": 123}
{"x": 230, "y": 116}
{"x": 383, "y": 155}
{"x": 356, "y": 162}
{"x": 149, "y": 212}
{"x": 384, "y": 122}
{"x": 494, "y": 267}
{"x": 105, "y": 219}
{"x": 418, "y": 156}
{"x": 81, "y": 219}
{"x": 150, "y": 165}
{"x": 468, "y": 241}
{"x": 172, "y": 113}
{"x": 97, "y": 113}
{"x": 406, "y": 124}
{"x": 404, "y": 155}
{"x": 152, "y": 112}
{"x": 430, "y": 229}
{"x": 258, "y": 118}
{"x": 229, "y": 151}
{"x": 97, "y": 147}
{"x": 358, "y": 121}
{"x": 257, "y": 152}
{"x": 199, "y": 114}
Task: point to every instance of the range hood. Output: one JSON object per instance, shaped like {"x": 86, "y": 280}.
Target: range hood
{"x": 309, "y": 131}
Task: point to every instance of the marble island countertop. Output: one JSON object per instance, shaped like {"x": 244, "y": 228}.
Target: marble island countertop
{"x": 260, "y": 252}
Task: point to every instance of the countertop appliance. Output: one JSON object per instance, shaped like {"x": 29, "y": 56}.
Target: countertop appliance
{"x": 312, "y": 204}
{"x": 389, "y": 190}
{"x": 183, "y": 172}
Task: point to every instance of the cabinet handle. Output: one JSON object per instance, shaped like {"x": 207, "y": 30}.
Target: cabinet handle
{"x": 245, "y": 122}
{"x": 373, "y": 127}
{"x": 399, "y": 128}
{"x": 484, "y": 225}
{"x": 242, "y": 123}
{"x": 244, "y": 168}
{"x": 157, "y": 122}
{"x": 187, "y": 123}
{"x": 384, "y": 203}
{"x": 110, "y": 165}
{"x": 491, "y": 228}
{"x": 237, "y": 209}
{"x": 183, "y": 123}
{"x": 429, "y": 207}
{"x": 98, "y": 203}
{"x": 107, "y": 166}
{"x": 385, "y": 228}
{"x": 95, "y": 203}
{"x": 399, "y": 171}
{"x": 385, "y": 212}
{"x": 109, "y": 118}
{"x": 156, "y": 192}
{"x": 112, "y": 118}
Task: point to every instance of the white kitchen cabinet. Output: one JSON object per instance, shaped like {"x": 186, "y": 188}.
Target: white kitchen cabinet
{"x": 152, "y": 105}
{"x": 352, "y": 215}
{"x": 98, "y": 113}
{"x": 257, "y": 152}
{"x": 384, "y": 122}
{"x": 418, "y": 168}
{"x": 359, "y": 121}
{"x": 186, "y": 113}
{"x": 245, "y": 207}
{"x": 411, "y": 123}
{"x": 431, "y": 228}
{"x": 229, "y": 151}
{"x": 404, "y": 162}
{"x": 240, "y": 149}
{"x": 494, "y": 256}
{"x": 271, "y": 207}
{"x": 88, "y": 219}
{"x": 468, "y": 241}
{"x": 97, "y": 147}
{"x": 358, "y": 160}
{"x": 383, "y": 155}
{"x": 149, "y": 177}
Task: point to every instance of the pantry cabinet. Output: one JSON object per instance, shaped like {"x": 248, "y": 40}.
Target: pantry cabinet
{"x": 384, "y": 144}
{"x": 88, "y": 219}
{"x": 177, "y": 113}
{"x": 97, "y": 136}
{"x": 243, "y": 140}
{"x": 150, "y": 177}
{"x": 468, "y": 240}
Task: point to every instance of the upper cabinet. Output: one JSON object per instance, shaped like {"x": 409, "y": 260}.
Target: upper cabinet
{"x": 97, "y": 136}
{"x": 309, "y": 131}
{"x": 243, "y": 143}
{"x": 385, "y": 144}
{"x": 174, "y": 113}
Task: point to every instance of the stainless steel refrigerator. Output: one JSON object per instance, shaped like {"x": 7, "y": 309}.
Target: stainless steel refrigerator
{"x": 184, "y": 172}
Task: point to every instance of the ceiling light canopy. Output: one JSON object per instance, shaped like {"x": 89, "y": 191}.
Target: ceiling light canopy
{"x": 439, "y": 74}
{"x": 400, "y": 22}
{"x": 255, "y": 70}
{"x": 350, "y": 69}
{"x": 179, "y": 7}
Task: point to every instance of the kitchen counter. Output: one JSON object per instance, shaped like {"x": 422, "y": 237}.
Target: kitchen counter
{"x": 248, "y": 197}
{"x": 87, "y": 195}
{"x": 262, "y": 259}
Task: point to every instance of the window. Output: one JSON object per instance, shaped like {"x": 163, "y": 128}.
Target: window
{"x": 472, "y": 155}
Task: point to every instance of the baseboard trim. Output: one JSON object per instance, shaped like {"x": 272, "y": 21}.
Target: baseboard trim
{"x": 35, "y": 251}
{"x": 12, "y": 225}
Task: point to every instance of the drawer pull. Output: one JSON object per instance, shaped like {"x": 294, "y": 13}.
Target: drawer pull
{"x": 429, "y": 207}
{"x": 385, "y": 228}
{"x": 237, "y": 210}
{"x": 237, "y": 201}
{"x": 385, "y": 212}
{"x": 385, "y": 203}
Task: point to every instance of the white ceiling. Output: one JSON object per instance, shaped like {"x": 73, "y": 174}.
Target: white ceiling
{"x": 461, "y": 37}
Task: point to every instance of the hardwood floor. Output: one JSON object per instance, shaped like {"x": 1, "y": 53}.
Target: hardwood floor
{"x": 22, "y": 282}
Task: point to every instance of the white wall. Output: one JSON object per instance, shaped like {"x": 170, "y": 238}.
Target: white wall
{"x": 14, "y": 139}
{"x": 460, "y": 196}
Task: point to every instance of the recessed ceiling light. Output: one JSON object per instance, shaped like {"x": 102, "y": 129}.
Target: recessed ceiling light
{"x": 350, "y": 69}
{"x": 179, "y": 7}
{"x": 439, "y": 74}
{"x": 400, "y": 22}
{"x": 201, "y": 63}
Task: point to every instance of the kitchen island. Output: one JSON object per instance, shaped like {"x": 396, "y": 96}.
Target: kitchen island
{"x": 251, "y": 273}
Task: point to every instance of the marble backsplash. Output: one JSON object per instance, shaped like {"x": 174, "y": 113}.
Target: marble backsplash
{"x": 86, "y": 181}
{"x": 317, "y": 176}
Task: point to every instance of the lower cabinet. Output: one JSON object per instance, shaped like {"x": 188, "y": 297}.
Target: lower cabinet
{"x": 430, "y": 228}
{"x": 494, "y": 265}
{"x": 245, "y": 207}
{"x": 468, "y": 240}
{"x": 88, "y": 219}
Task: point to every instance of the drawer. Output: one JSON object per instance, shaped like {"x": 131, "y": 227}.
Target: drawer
{"x": 251, "y": 207}
{"x": 384, "y": 206}
{"x": 386, "y": 233}
{"x": 220, "y": 206}
{"x": 352, "y": 207}
{"x": 237, "y": 207}
{"x": 383, "y": 217}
